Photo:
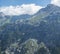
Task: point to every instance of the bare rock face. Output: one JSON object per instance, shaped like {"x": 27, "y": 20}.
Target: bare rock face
{"x": 30, "y": 46}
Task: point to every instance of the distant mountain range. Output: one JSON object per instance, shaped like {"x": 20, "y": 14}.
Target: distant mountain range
{"x": 31, "y": 34}
{"x": 13, "y": 19}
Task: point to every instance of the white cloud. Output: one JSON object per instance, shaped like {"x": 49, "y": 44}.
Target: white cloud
{"x": 19, "y": 10}
{"x": 55, "y": 2}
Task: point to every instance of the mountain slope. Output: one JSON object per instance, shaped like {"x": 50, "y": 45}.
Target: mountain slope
{"x": 44, "y": 12}
{"x": 24, "y": 34}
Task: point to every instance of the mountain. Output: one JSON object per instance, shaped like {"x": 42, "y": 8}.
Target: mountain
{"x": 13, "y": 19}
{"x": 44, "y": 12}
{"x": 39, "y": 34}
{"x": 20, "y": 17}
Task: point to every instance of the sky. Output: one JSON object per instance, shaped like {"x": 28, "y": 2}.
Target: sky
{"x": 20, "y": 2}
{"x": 19, "y": 7}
